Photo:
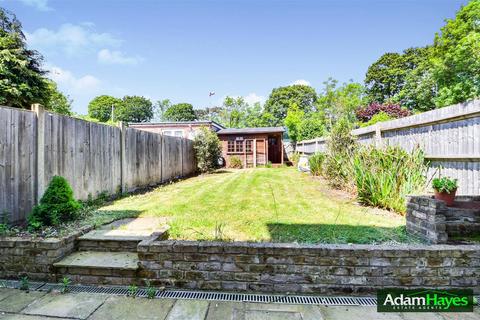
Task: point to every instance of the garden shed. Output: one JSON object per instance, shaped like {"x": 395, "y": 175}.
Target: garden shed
{"x": 254, "y": 146}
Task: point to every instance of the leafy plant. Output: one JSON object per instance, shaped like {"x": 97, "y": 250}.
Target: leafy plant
{"x": 268, "y": 164}
{"x": 65, "y": 285}
{"x": 384, "y": 177}
{"x": 445, "y": 184}
{"x": 395, "y": 111}
{"x": 379, "y": 117}
{"x": 207, "y": 150}
{"x": 151, "y": 291}
{"x": 235, "y": 162}
{"x": 24, "y": 283}
{"x": 294, "y": 157}
{"x": 132, "y": 290}
{"x": 56, "y": 206}
{"x": 341, "y": 146}
{"x": 316, "y": 163}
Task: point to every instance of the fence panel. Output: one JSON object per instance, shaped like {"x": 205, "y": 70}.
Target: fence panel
{"x": 18, "y": 141}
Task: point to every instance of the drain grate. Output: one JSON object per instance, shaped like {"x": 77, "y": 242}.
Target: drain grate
{"x": 205, "y": 295}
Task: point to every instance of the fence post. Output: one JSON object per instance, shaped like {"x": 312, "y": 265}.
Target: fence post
{"x": 123, "y": 167}
{"x": 378, "y": 136}
{"x": 40, "y": 148}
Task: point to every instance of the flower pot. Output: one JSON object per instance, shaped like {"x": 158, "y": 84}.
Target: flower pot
{"x": 448, "y": 198}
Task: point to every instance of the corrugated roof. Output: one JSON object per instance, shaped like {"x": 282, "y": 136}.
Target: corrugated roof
{"x": 251, "y": 130}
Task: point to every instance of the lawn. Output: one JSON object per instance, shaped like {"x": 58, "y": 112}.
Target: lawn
{"x": 264, "y": 204}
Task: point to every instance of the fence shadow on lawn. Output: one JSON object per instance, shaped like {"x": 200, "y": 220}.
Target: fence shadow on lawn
{"x": 336, "y": 233}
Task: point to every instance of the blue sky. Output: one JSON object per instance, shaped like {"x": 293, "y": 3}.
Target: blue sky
{"x": 182, "y": 50}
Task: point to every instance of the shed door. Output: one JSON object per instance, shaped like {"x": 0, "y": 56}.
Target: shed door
{"x": 261, "y": 152}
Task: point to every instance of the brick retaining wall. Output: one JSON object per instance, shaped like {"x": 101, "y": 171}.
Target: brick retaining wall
{"x": 295, "y": 268}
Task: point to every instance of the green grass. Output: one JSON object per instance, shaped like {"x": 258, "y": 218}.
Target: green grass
{"x": 268, "y": 204}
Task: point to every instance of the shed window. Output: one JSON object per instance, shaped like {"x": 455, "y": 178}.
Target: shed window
{"x": 239, "y": 146}
{"x": 231, "y": 146}
{"x": 248, "y": 146}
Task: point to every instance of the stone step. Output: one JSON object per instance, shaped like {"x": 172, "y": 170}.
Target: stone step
{"x": 123, "y": 235}
{"x": 95, "y": 267}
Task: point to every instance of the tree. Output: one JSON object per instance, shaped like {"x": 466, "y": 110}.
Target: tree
{"x": 101, "y": 107}
{"x": 233, "y": 112}
{"x": 456, "y": 57}
{"x": 311, "y": 127}
{"x": 282, "y": 98}
{"x": 210, "y": 114}
{"x": 134, "y": 109}
{"x": 21, "y": 76}
{"x": 207, "y": 150}
{"x": 56, "y": 101}
{"x": 180, "y": 112}
{"x": 385, "y": 78}
{"x": 293, "y": 121}
{"x": 160, "y": 107}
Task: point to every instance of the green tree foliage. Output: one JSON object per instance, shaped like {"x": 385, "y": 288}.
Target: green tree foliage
{"x": 100, "y": 107}
{"x": 293, "y": 120}
{"x": 56, "y": 101}
{"x": 21, "y": 76}
{"x": 386, "y": 77}
{"x": 56, "y": 206}
{"x": 160, "y": 107}
{"x": 282, "y": 98}
{"x": 209, "y": 114}
{"x": 134, "y": 109}
{"x": 233, "y": 112}
{"x": 312, "y": 127}
{"x": 456, "y": 57}
{"x": 180, "y": 112}
{"x": 382, "y": 116}
{"x": 336, "y": 102}
{"x": 207, "y": 150}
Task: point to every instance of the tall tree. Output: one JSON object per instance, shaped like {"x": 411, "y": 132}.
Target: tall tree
{"x": 456, "y": 57}
{"x": 21, "y": 76}
{"x": 56, "y": 101}
{"x": 233, "y": 112}
{"x": 134, "y": 109}
{"x": 385, "y": 78}
{"x": 282, "y": 98}
{"x": 180, "y": 112}
{"x": 160, "y": 107}
{"x": 101, "y": 107}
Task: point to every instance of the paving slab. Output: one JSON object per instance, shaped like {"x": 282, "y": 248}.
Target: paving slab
{"x": 4, "y": 293}
{"x": 224, "y": 310}
{"x": 275, "y": 311}
{"x": 461, "y": 315}
{"x": 26, "y": 317}
{"x": 118, "y": 308}
{"x": 96, "y": 259}
{"x": 188, "y": 309}
{"x": 72, "y": 305}
{"x": 364, "y": 313}
{"x": 128, "y": 229}
{"x": 18, "y": 300}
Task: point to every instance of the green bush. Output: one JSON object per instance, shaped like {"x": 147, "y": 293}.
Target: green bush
{"x": 316, "y": 163}
{"x": 384, "y": 177}
{"x": 294, "y": 157}
{"x": 341, "y": 146}
{"x": 56, "y": 206}
{"x": 445, "y": 184}
{"x": 207, "y": 150}
{"x": 379, "y": 117}
{"x": 235, "y": 162}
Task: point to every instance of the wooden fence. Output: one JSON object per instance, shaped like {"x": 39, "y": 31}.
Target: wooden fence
{"x": 94, "y": 158}
{"x": 449, "y": 136}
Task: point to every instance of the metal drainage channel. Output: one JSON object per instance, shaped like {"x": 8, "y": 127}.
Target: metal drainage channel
{"x": 204, "y": 295}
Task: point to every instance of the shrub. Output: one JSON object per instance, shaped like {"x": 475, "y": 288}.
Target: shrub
{"x": 365, "y": 114}
{"x": 56, "y": 206}
{"x": 384, "y": 177}
{"x": 379, "y": 117}
{"x": 445, "y": 184}
{"x": 207, "y": 150}
{"x": 294, "y": 157}
{"x": 341, "y": 146}
{"x": 316, "y": 163}
{"x": 235, "y": 162}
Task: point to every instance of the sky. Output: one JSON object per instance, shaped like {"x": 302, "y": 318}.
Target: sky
{"x": 182, "y": 50}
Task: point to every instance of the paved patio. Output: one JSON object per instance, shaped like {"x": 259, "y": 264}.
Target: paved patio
{"x": 16, "y": 304}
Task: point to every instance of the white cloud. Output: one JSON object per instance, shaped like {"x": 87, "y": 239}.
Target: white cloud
{"x": 68, "y": 82}
{"x": 71, "y": 39}
{"x": 107, "y": 56}
{"x": 300, "y": 82}
{"x": 252, "y": 98}
{"x": 41, "y": 5}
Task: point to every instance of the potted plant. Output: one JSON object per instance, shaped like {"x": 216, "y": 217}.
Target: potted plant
{"x": 445, "y": 189}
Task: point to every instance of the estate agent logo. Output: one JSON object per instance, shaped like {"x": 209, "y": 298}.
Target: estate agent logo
{"x": 424, "y": 300}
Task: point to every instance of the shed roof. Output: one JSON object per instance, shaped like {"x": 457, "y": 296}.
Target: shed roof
{"x": 176, "y": 123}
{"x": 251, "y": 130}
